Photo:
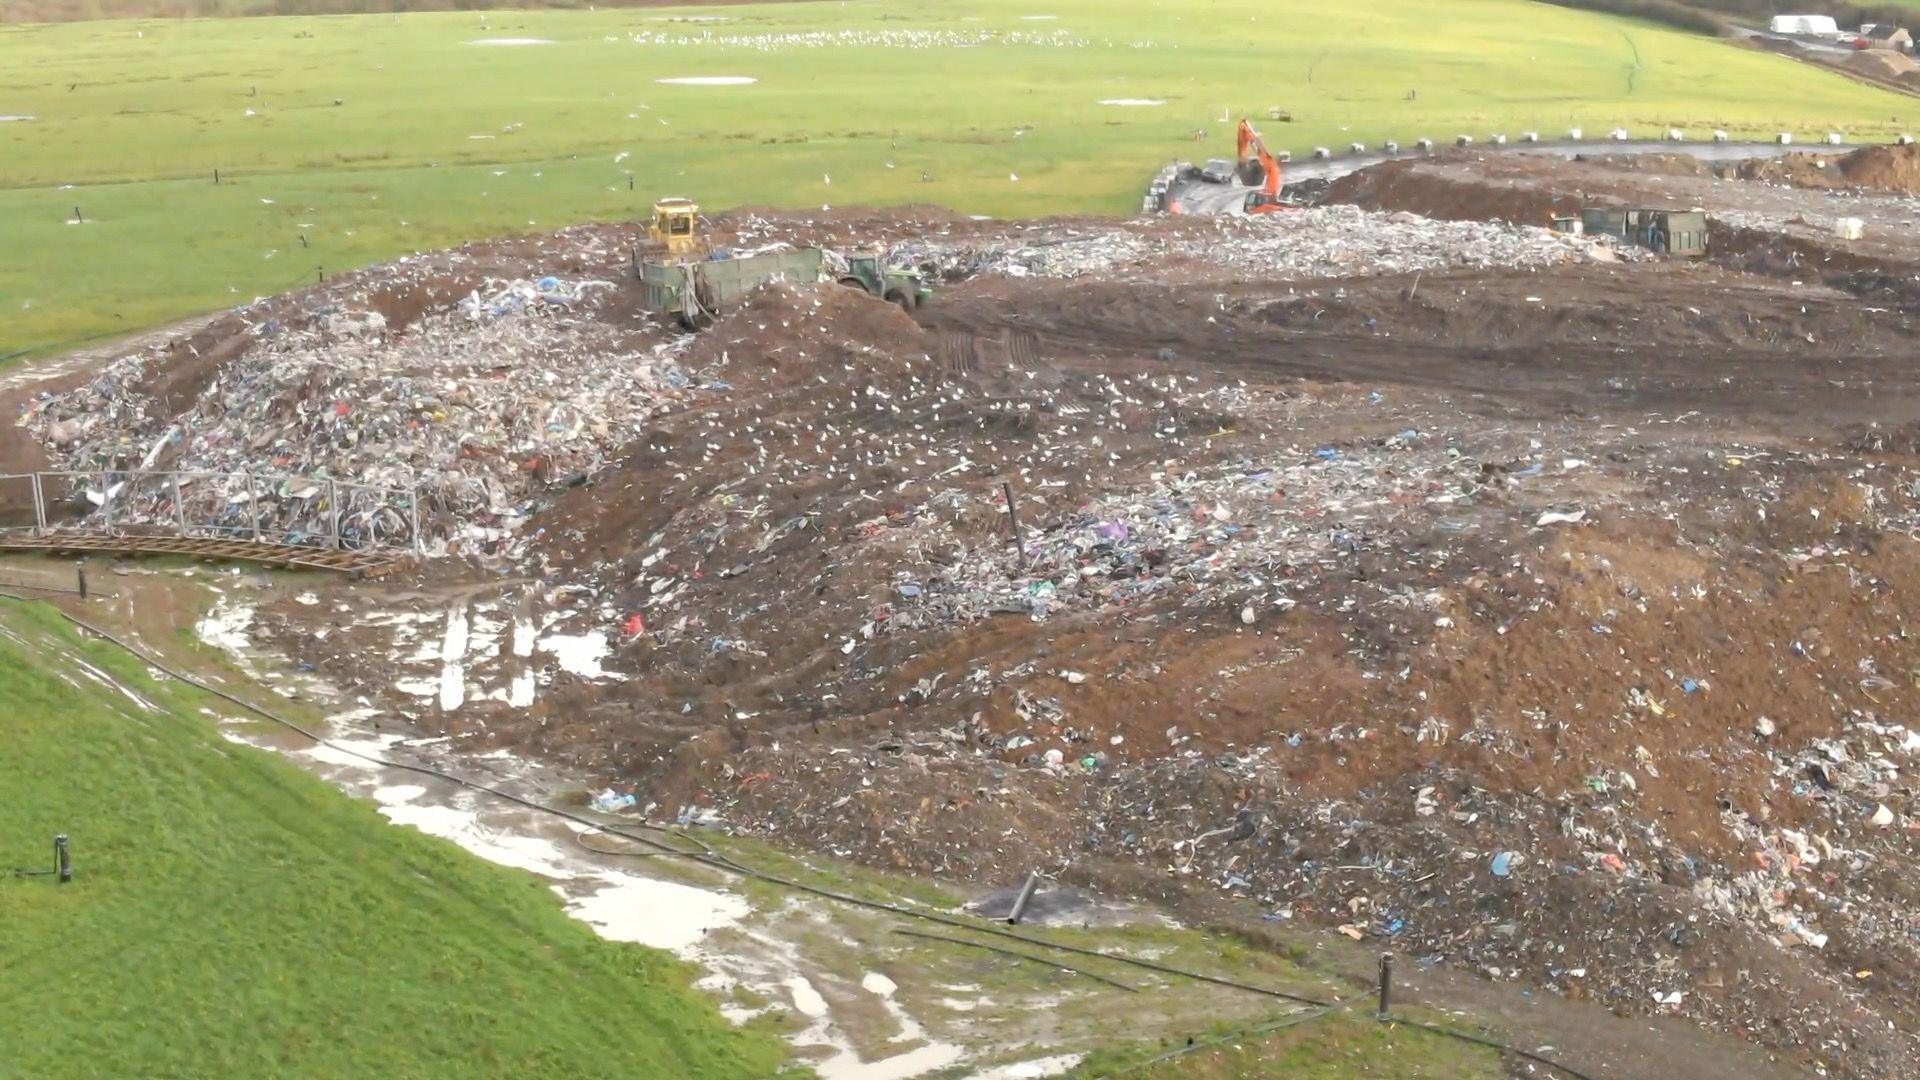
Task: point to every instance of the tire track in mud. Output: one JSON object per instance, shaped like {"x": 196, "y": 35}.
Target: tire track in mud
{"x": 1809, "y": 390}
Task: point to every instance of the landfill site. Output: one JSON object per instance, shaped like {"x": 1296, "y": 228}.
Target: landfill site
{"x": 1390, "y": 567}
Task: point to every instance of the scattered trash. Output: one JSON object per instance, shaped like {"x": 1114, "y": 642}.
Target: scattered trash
{"x": 1312, "y": 242}
{"x": 610, "y": 800}
{"x": 486, "y": 414}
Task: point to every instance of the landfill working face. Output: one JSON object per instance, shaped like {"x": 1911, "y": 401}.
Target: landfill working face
{"x": 1479, "y": 593}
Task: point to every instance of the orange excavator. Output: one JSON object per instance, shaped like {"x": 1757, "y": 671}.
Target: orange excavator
{"x": 1258, "y": 170}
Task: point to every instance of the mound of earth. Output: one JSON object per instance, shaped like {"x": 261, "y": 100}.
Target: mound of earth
{"x": 1650, "y": 164}
{"x": 1893, "y": 169}
{"x": 1413, "y": 187}
{"x": 1883, "y": 63}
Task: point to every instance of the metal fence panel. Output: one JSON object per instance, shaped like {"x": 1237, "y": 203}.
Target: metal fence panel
{"x": 274, "y": 508}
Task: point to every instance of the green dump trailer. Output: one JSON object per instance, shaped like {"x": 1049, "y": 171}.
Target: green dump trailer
{"x": 1671, "y": 232}
{"x": 694, "y": 292}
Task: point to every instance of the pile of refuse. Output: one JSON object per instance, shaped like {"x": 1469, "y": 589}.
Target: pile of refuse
{"x": 480, "y": 409}
{"x": 1314, "y": 242}
{"x": 1234, "y": 534}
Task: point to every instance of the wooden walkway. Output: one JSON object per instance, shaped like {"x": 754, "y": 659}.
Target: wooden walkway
{"x": 371, "y": 563}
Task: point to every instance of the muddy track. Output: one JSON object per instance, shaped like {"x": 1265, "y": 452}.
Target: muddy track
{"x": 1795, "y": 391}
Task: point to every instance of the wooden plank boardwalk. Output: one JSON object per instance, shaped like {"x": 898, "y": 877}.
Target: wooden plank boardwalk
{"x": 369, "y": 563}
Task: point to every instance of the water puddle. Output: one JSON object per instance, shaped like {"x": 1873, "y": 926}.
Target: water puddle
{"x": 851, "y": 1025}
{"x": 225, "y": 628}
{"x": 453, "y": 649}
{"x": 581, "y": 654}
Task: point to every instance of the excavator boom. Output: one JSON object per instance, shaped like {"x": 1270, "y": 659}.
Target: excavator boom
{"x": 1258, "y": 169}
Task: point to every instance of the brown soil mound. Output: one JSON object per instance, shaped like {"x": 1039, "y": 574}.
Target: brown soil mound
{"x": 801, "y": 334}
{"x": 1405, "y": 185}
{"x": 1893, "y": 169}
{"x": 1882, "y": 63}
{"x": 1649, "y": 164}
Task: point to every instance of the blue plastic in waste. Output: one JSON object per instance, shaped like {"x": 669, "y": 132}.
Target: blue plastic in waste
{"x": 1502, "y": 864}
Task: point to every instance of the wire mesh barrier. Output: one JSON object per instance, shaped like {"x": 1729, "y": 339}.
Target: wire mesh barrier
{"x": 295, "y": 511}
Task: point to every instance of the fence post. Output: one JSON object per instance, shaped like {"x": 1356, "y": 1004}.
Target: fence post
{"x": 179, "y": 508}
{"x": 1386, "y": 983}
{"x": 333, "y": 512}
{"x": 1024, "y": 897}
{"x": 1013, "y": 519}
{"x": 413, "y": 512}
{"x": 253, "y": 508}
{"x": 106, "y": 500}
{"x": 39, "y": 505}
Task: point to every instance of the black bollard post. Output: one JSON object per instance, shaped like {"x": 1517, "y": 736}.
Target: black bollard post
{"x": 1013, "y": 520}
{"x": 1386, "y": 983}
{"x": 80, "y": 574}
{"x": 62, "y": 861}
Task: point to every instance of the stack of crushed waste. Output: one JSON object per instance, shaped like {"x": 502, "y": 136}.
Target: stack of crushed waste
{"x": 479, "y": 410}
{"x": 1313, "y": 242}
{"x": 1233, "y": 534}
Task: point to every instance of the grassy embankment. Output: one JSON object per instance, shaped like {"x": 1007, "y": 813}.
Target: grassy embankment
{"x": 234, "y": 916}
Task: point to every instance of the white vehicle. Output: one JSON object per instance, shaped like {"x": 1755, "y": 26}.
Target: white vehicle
{"x": 1805, "y": 25}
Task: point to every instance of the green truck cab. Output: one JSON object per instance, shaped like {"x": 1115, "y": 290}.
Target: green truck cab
{"x": 895, "y": 285}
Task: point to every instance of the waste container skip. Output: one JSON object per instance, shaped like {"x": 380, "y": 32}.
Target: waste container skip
{"x": 694, "y": 292}
{"x": 1674, "y": 232}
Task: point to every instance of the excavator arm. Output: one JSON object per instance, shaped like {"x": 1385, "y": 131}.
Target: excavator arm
{"x": 1249, "y": 141}
{"x": 1258, "y": 169}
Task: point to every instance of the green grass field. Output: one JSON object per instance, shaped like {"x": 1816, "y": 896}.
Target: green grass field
{"x": 233, "y": 916}
{"x": 434, "y": 140}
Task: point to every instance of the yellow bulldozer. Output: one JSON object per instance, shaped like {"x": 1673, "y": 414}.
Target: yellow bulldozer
{"x": 684, "y": 276}
{"x": 674, "y": 227}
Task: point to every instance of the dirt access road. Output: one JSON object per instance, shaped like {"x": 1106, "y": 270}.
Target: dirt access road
{"x": 1501, "y": 599}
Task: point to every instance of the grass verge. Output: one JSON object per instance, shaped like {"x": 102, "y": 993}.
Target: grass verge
{"x": 233, "y": 916}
